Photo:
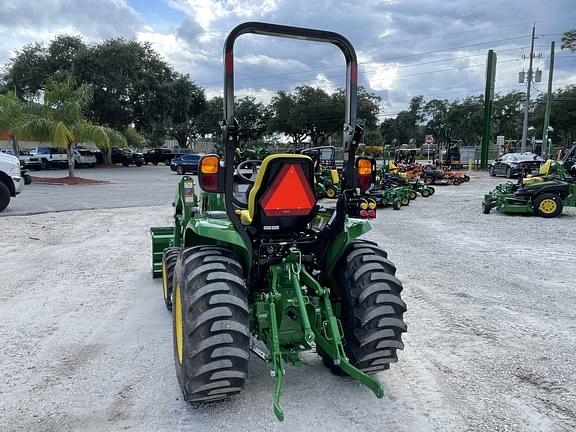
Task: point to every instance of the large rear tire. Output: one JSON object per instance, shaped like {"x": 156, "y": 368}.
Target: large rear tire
{"x": 211, "y": 323}
{"x": 169, "y": 259}
{"x": 371, "y": 309}
{"x": 548, "y": 205}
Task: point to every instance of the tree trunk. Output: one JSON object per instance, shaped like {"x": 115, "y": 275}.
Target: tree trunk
{"x": 15, "y": 146}
{"x": 107, "y": 153}
{"x": 70, "y": 153}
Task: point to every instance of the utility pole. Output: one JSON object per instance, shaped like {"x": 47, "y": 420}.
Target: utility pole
{"x": 488, "y": 100}
{"x": 527, "y": 107}
{"x": 545, "y": 147}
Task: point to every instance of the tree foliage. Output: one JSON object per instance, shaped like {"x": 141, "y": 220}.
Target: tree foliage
{"x": 569, "y": 40}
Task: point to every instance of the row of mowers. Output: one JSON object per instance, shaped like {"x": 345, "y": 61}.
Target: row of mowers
{"x": 429, "y": 174}
{"x": 385, "y": 189}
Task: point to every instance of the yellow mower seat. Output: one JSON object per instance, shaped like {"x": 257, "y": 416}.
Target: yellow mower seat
{"x": 542, "y": 173}
{"x": 267, "y": 177}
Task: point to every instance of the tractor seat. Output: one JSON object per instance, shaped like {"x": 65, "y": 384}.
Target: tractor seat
{"x": 282, "y": 197}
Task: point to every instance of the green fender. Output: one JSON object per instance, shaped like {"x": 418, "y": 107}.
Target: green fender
{"x": 354, "y": 229}
{"x": 202, "y": 231}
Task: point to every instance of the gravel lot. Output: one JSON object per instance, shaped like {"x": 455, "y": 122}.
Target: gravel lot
{"x": 86, "y": 344}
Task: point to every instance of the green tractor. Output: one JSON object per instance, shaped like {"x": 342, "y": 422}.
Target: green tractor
{"x": 327, "y": 175}
{"x": 254, "y": 263}
{"x": 544, "y": 195}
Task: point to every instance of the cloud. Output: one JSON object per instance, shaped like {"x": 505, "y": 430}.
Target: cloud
{"x": 405, "y": 48}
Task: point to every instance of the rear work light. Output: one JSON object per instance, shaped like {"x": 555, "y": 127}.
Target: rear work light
{"x": 289, "y": 194}
{"x": 208, "y": 173}
{"x": 364, "y": 171}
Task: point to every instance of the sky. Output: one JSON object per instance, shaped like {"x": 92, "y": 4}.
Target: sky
{"x": 405, "y": 47}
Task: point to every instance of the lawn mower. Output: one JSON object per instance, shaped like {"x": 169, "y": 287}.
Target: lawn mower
{"x": 326, "y": 174}
{"x": 396, "y": 179}
{"x": 543, "y": 195}
{"x": 432, "y": 175}
{"x": 254, "y": 263}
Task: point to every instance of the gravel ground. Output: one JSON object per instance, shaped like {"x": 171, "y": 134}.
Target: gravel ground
{"x": 86, "y": 344}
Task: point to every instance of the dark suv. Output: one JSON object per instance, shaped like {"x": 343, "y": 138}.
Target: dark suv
{"x": 157, "y": 155}
{"x": 513, "y": 164}
{"x": 186, "y": 163}
{"x": 126, "y": 157}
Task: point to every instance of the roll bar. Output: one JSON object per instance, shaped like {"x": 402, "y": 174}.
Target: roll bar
{"x": 351, "y": 133}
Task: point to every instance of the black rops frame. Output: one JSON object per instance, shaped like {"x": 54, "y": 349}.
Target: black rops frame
{"x": 351, "y": 135}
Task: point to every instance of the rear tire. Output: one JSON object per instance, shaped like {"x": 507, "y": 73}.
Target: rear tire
{"x": 4, "y": 196}
{"x": 508, "y": 173}
{"x": 169, "y": 259}
{"x": 466, "y": 178}
{"x": 492, "y": 172}
{"x": 180, "y": 170}
{"x": 428, "y": 180}
{"x": 486, "y": 208}
{"x": 548, "y": 205}
{"x": 397, "y": 205}
{"x": 331, "y": 192}
{"x": 425, "y": 193}
{"x": 211, "y": 323}
{"x": 372, "y": 309}
{"x": 413, "y": 195}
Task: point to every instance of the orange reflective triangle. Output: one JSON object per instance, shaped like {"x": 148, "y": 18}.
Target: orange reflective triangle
{"x": 290, "y": 193}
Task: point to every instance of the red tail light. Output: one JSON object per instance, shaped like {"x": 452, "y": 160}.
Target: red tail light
{"x": 364, "y": 171}
{"x": 290, "y": 193}
{"x": 208, "y": 173}
{"x": 364, "y": 213}
{"x": 372, "y": 214}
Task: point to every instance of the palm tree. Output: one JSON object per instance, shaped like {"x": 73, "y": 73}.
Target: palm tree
{"x": 11, "y": 116}
{"x": 60, "y": 119}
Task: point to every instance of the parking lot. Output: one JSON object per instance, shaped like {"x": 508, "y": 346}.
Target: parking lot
{"x": 86, "y": 342}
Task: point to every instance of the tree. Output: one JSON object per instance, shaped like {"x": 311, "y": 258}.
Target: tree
{"x": 209, "y": 120}
{"x": 435, "y": 112}
{"x": 28, "y": 70}
{"x": 61, "y": 121}
{"x": 569, "y": 40}
{"x": 134, "y": 139}
{"x": 286, "y": 117}
{"x": 188, "y": 101}
{"x": 11, "y": 116}
{"x": 507, "y": 114}
{"x": 252, "y": 119}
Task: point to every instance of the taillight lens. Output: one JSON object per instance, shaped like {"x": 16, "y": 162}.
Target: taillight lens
{"x": 208, "y": 173}
{"x": 364, "y": 172}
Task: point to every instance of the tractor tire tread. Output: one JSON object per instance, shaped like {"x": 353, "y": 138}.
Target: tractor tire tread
{"x": 215, "y": 324}
{"x": 372, "y": 309}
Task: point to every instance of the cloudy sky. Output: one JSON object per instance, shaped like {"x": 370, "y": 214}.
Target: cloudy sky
{"x": 405, "y": 47}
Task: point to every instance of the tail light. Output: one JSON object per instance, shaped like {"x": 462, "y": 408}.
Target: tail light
{"x": 364, "y": 213}
{"x": 364, "y": 173}
{"x": 209, "y": 173}
{"x": 371, "y": 214}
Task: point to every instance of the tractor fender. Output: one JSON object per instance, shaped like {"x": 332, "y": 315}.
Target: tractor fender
{"x": 220, "y": 232}
{"x": 354, "y": 229}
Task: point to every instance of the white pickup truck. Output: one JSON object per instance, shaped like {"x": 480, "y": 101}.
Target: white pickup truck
{"x": 50, "y": 157}
{"x": 11, "y": 181}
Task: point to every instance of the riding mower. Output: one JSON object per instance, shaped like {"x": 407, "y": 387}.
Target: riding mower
{"x": 327, "y": 176}
{"x": 396, "y": 179}
{"x": 432, "y": 175}
{"x": 543, "y": 195}
{"x": 254, "y": 263}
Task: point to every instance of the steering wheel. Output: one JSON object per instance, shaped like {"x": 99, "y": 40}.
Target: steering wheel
{"x": 250, "y": 164}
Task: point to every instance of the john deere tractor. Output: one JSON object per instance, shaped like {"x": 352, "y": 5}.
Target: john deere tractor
{"x": 254, "y": 263}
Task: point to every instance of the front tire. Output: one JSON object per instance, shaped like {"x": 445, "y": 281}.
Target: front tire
{"x": 211, "y": 323}
{"x": 180, "y": 170}
{"x": 331, "y": 192}
{"x": 169, "y": 259}
{"x": 4, "y": 196}
{"x": 492, "y": 171}
{"x": 508, "y": 173}
{"x": 372, "y": 309}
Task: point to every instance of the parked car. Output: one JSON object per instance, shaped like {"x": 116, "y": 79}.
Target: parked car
{"x": 186, "y": 163}
{"x": 11, "y": 181}
{"x": 26, "y": 161}
{"x": 157, "y": 155}
{"x": 512, "y": 164}
{"x": 84, "y": 158}
{"x": 50, "y": 157}
{"x": 126, "y": 157}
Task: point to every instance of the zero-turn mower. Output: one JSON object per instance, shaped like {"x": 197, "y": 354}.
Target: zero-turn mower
{"x": 543, "y": 195}
{"x": 255, "y": 263}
